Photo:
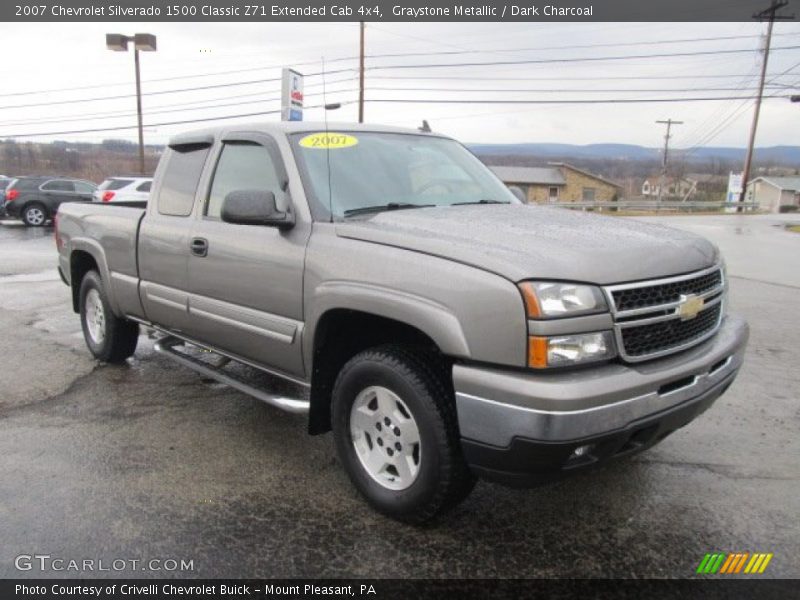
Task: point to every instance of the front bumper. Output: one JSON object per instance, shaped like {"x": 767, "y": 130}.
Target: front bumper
{"x": 522, "y": 427}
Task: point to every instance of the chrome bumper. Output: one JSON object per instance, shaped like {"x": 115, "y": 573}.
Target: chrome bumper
{"x": 495, "y": 406}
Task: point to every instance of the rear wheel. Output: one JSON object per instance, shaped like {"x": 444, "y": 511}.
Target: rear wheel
{"x": 109, "y": 338}
{"x": 396, "y": 433}
{"x": 34, "y": 215}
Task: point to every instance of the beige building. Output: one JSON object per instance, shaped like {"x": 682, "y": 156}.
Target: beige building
{"x": 558, "y": 182}
{"x": 773, "y": 192}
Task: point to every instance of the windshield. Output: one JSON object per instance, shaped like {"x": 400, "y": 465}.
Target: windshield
{"x": 371, "y": 169}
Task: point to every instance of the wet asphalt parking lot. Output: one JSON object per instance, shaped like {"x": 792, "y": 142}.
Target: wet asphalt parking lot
{"x": 148, "y": 461}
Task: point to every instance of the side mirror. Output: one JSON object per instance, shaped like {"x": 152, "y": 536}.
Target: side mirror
{"x": 254, "y": 207}
{"x": 518, "y": 193}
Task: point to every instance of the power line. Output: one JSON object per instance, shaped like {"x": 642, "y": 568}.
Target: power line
{"x": 572, "y": 60}
{"x": 155, "y": 109}
{"x": 384, "y": 55}
{"x": 570, "y": 47}
{"x": 593, "y": 101}
{"x": 536, "y": 78}
{"x": 179, "y": 77}
{"x": 701, "y": 132}
{"x": 162, "y": 92}
{"x": 184, "y": 122}
{"x": 172, "y": 110}
{"x": 382, "y": 67}
{"x": 567, "y": 90}
{"x": 712, "y": 120}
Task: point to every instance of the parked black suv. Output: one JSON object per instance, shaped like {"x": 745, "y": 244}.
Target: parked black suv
{"x": 35, "y": 200}
{"x": 4, "y": 183}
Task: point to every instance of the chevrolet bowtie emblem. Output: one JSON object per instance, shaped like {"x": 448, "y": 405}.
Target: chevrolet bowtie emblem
{"x": 689, "y": 306}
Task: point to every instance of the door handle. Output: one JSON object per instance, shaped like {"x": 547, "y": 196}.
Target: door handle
{"x": 199, "y": 246}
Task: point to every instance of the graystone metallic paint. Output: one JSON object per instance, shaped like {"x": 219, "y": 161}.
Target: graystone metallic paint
{"x": 580, "y": 389}
{"x": 567, "y": 408}
{"x": 523, "y": 241}
{"x": 450, "y": 272}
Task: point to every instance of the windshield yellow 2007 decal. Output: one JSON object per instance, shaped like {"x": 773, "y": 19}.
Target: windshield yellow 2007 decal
{"x": 328, "y": 140}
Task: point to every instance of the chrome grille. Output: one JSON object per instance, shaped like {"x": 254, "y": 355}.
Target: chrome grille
{"x": 644, "y": 340}
{"x": 653, "y": 295}
{"x": 647, "y": 315}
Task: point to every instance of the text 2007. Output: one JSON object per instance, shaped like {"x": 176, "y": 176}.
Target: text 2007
{"x": 32, "y": 10}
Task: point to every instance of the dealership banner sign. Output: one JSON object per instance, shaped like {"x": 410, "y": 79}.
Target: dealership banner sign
{"x": 291, "y": 96}
{"x": 380, "y": 10}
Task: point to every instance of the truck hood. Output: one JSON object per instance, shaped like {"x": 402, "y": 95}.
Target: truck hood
{"x": 525, "y": 241}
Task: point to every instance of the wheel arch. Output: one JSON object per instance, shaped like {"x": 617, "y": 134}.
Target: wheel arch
{"x": 340, "y": 334}
{"x": 86, "y": 255}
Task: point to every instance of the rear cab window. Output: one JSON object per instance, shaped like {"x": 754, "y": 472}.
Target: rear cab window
{"x": 181, "y": 178}
{"x": 144, "y": 187}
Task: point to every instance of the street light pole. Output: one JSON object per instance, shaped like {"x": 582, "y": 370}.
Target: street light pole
{"x": 361, "y": 74}
{"x": 139, "y": 111}
{"x": 145, "y": 42}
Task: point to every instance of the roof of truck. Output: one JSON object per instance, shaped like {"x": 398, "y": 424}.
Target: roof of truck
{"x": 275, "y": 127}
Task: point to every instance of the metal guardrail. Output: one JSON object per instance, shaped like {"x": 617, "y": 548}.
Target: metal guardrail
{"x": 655, "y": 206}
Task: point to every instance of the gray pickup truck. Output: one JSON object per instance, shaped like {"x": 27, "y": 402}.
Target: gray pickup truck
{"x": 441, "y": 328}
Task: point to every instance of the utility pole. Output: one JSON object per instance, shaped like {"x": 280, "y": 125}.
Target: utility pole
{"x": 767, "y": 13}
{"x": 669, "y": 123}
{"x": 361, "y": 76}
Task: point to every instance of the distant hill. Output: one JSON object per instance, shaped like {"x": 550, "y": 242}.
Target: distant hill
{"x": 789, "y": 155}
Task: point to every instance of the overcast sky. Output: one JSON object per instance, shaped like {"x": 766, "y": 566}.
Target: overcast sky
{"x": 43, "y": 57}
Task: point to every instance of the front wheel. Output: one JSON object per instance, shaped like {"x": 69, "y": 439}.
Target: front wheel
{"x": 34, "y": 215}
{"x": 109, "y": 338}
{"x": 396, "y": 433}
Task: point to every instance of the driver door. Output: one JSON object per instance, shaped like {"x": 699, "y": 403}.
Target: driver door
{"x": 246, "y": 281}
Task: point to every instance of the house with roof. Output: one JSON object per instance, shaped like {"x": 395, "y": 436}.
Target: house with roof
{"x": 772, "y": 193}
{"x": 558, "y": 182}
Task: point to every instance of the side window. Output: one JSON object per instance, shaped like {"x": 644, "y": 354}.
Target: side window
{"x": 84, "y": 188}
{"x": 114, "y": 184}
{"x": 182, "y": 174}
{"x": 242, "y": 166}
{"x": 59, "y": 185}
{"x": 144, "y": 187}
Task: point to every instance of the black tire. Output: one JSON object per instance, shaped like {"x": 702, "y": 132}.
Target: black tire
{"x": 120, "y": 336}
{"x": 34, "y": 214}
{"x": 420, "y": 380}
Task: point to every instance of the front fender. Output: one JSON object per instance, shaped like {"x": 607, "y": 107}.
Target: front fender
{"x": 433, "y": 319}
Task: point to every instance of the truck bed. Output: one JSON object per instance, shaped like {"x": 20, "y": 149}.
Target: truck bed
{"x": 112, "y": 227}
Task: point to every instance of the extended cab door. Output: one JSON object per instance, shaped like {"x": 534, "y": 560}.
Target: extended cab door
{"x": 246, "y": 281}
{"x": 163, "y": 247}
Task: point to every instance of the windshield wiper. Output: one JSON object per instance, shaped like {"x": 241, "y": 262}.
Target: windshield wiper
{"x": 480, "y": 202}
{"x": 382, "y": 207}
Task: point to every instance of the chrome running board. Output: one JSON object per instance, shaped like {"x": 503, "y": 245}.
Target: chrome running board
{"x": 166, "y": 346}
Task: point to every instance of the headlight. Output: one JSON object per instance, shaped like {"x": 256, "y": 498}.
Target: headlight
{"x": 547, "y": 300}
{"x": 564, "y": 350}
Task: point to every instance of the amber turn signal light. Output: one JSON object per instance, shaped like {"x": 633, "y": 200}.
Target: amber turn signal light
{"x": 531, "y": 301}
{"x": 537, "y": 352}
